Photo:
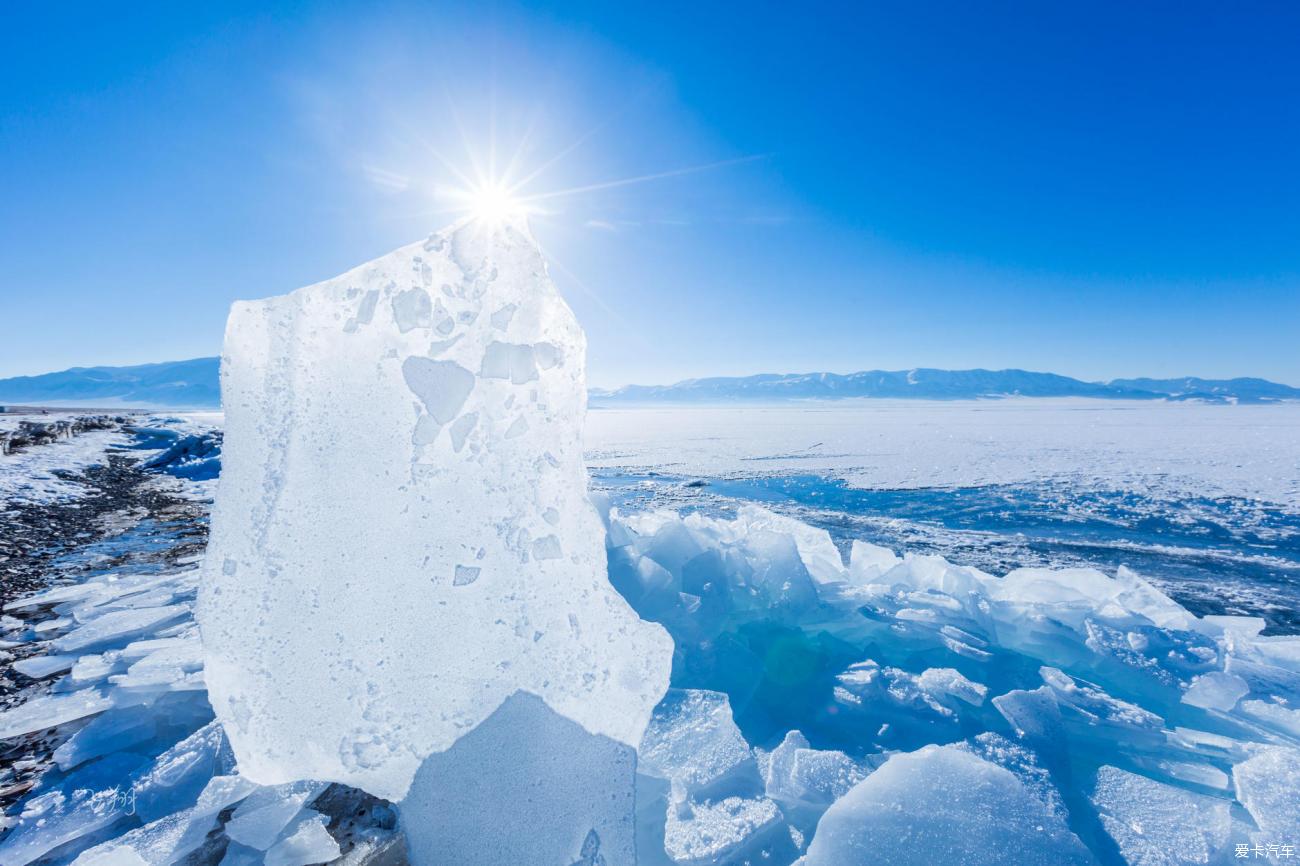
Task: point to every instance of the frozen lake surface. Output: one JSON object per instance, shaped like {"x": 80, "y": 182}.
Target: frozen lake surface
{"x": 1200, "y": 499}
{"x": 1251, "y": 452}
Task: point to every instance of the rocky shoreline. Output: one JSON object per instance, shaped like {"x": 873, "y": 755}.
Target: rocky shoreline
{"x": 120, "y": 494}
{"x": 33, "y": 433}
{"x": 127, "y": 519}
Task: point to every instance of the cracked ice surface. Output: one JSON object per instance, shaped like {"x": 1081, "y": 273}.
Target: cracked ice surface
{"x": 402, "y": 537}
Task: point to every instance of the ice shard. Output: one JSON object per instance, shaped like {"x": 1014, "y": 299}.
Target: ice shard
{"x": 402, "y": 536}
{"x": 526, "y": 786}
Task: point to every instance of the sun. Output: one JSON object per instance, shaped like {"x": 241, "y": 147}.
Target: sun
{"x": 494, "y": 186}
{"x": 493, "y": 202}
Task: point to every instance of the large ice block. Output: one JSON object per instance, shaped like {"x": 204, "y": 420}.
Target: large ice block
{"x": 402, "y": 536}
{"x": 1152, "y": 822}
{"x": 942, "y": 804}
{"x": 526, "y": 786}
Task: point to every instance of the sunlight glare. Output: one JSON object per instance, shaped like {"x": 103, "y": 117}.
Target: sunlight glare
{"x": 493, "y": 203}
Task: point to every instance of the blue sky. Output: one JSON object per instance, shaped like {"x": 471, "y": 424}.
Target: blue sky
{"x": 1094, "y": 189}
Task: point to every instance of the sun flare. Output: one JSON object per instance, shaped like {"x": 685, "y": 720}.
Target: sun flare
{"x": 493, "y": 202}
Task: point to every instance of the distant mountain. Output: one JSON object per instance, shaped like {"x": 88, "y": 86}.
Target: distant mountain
{"x": 172, "y": 384}
{"x": 194, "y": 384}
{"x": 1192, "y": 388}
{"x": 928, "y": 384}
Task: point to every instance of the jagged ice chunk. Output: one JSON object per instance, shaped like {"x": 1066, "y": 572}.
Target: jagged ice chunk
{"x": 405, "y": 567}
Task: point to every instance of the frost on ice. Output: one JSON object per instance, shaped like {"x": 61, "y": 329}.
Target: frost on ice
{"x": 568, "y": 794}
{"x": 402, "y": 537}
{"x": 942, "y": 805}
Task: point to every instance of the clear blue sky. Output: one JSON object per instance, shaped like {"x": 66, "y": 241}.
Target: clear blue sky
{"x": 1094, "y": 189}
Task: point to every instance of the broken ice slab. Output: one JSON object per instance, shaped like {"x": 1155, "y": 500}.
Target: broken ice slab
{"x": 170, "y": 839}
{"x": 305, "y": 843}
{"x": 105, "y": 734}
{"x": 726, "y": 831}
{"x": 942, "y": 804}
{"x": 94, "y": 668}
{"x": 1216, "y": 690}
{"x": 40, "y": 667}
{"x": 84, "y": 804}
{"x": 1149, "y": 820}
{"x": 177, "y": 665}
{"x": 692, "y": 741}
{"x": 1091, "y": 703}
{"x": 49, "y": 711}
{"x": 816, "y": 550}
{"x": 868, "y": 562}
{"x": 1268, "y": 785}
{"x": 1205, "y": 775}
{"x": 934, "y": 690}
{"x": 51, "y": 597}
{"x": 259, "y": 819}
{"x": 178, "y": 776}
{"x": 525, "y": 786}
{"x": 1034, "y": 714}
{"x": 1273, "y": 714}
{"x": 46, "y": 629}
{"x": 800, "y": 775}
{"x": 119, "y": 625}
{"x": 150, "y": 845}
{"x": 1024, "y": 764}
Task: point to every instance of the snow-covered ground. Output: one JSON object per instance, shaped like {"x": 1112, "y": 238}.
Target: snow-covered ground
{"x": 32, "y": 475}
{"x": 1166, "y": 449}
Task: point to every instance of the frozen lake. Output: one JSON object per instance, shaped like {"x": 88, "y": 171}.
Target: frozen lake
{"x": 799, "y": 674}
{"x": 1201, "y": 499}
{"x": 1251, "y": 452}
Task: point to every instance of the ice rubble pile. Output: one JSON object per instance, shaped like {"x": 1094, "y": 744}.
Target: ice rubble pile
{"x": 186, "y": 451}
{"x": 837, "y": 708}
{"x": 141, "y": 773}
{"x": 402, "y": 537}
{"x": 21, "y": 434}
{"x": 821, "y": 710}
{"x": 38, "y": 475}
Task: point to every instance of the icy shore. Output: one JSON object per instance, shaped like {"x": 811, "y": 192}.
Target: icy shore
{"x": 418, "y": 600}
{"x": 821, "y": 708}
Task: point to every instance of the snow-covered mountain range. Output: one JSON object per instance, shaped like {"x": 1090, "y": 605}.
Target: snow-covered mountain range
{"x": 194, "y": 384}
{"x": 170, "y": 384}
{"x": 930, "y": 384}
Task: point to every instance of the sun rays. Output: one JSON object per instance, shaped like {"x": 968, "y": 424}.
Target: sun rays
{"x": 499, "y": 176}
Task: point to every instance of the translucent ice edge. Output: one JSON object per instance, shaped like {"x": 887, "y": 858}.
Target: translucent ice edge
{"x": 402, "y": 539}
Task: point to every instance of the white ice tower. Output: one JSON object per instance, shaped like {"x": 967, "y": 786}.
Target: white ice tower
{"x": 402, "y": 537}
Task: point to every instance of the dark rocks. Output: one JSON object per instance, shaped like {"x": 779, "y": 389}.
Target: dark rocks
{"x": 33, "y": 433}
{"x": 125, "y": 520}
